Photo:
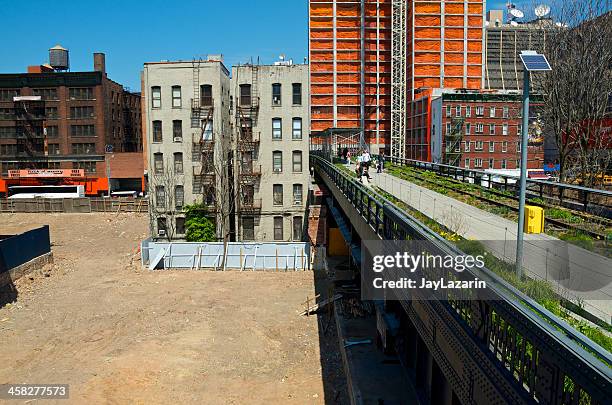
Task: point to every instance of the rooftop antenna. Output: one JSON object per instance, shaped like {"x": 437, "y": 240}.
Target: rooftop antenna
{"x": 514, "y": 13}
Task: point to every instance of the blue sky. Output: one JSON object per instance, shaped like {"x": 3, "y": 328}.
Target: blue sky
{"x": 133, "y": 32}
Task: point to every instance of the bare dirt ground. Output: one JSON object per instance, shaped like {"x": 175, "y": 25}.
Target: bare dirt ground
{"x": 119, "y": 334}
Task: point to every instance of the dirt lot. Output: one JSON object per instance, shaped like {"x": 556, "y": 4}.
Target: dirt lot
{"x": 119, "y": 334}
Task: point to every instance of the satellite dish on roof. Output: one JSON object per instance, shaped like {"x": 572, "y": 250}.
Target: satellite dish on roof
{"x": 542, "y": 10}
{"x": 514, "y": 23}
{"x": 516, "y": 13}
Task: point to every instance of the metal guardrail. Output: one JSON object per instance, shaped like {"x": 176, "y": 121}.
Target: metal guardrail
{"x": 587, "y": 199}
{"x": 537, "y": 356}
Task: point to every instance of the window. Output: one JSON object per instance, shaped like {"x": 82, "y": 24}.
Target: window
{"x": 278, "y": 228}
{"x": 468, "y": 128}
{"x": 208, "y": 131}
{"x": 176, "y": 97}
{"x": 277, "y": 161}
{"x": 81, "y": 93}
{"x": 8, "y": 94}
{"x": 51, "y": 112}
{"x": 54, "y": 149}
{"x": 245, "y": 94}
{"x": 162, "y": 226}
{"x": 479, "y": 128}
{"x": 177, "y": 130}
{"x": 468, "y": 111}
{"x": 504, "y": 164}
{"x": 156, "y": 97}
{"x": 80, "y": 130}
{"x": 180, "y": 225}
{"x": 479, "y": 145}
{"x": 276, "y": 94}
{"x": 297, "y": 228}
{"x": 206, "y": 98}
{"x": 448, "y": 128}
{"x": 492, "y": 129}
{"x": 7, "y": 113}
{"x": 160, "y": 197}
{"x": 297, "y": 93}
{"x": 46, "y": 94}
{"x": 53, "y": 131}
{"x": 248, "y": 194}
{"x": 492, "y": 112}
{"x": 8, "y": 150}
{"x": 83, "y": 148}
{"x": 277, "y": 194}
{"x": 157, "y": 131}
{"x": 491, "y": 146}
{"x": 178, "y": 163}
{"x": 448, "y": 110}
{"x": 505, "y": 146}
{"x": 277, "y": 128}
{"x": 82, "y": 112}
{"x": 9, "y": 132}
{"x": 505, "y": 129}
{"x": 297, "y": 194}
{"x": 88, "y": 167}
{"x": 506, "y": 112}
{"x": 297, "y": 161}
{"x": 467, "y": 146}
{"x": 478, "y": 162}
{"x": 479, "y": 111}
{"x": 491, "y": 163}
{"x": 467, "y": 163}
{"x": 458, "y": 111}
{"x": 297, "y": 128}
{"x": 248, "y": 228}
{"x": 179, "y": 197}
{"x": 518, "y": 147}
{"x": 519, "y": 129}
{"x": 158, "y": 163}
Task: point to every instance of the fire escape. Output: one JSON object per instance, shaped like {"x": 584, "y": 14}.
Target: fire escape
{"x": 32, "y": 146}
{"x": 247, "y": 144}
{"x": 453, "y": 142}
{"x": 203, "y": 142}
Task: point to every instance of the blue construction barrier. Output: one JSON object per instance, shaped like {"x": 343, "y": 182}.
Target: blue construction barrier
{"x": 16, "y": 250}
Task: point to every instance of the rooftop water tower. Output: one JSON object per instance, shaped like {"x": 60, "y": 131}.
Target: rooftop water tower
{"x": 58, "y": 58}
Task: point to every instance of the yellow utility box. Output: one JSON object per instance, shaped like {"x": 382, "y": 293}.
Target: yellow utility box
{"x": 336, "y": 244}
{"x": 534, "y": 219}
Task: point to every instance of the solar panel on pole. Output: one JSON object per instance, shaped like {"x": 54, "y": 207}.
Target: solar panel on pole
{"x": 535, "y": 62}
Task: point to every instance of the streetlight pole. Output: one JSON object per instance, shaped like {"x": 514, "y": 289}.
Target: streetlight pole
{"x": 532, "y": 62}
{"x": 523, "y": 180}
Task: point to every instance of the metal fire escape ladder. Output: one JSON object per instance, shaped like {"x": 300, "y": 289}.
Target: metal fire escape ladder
{"x": 453, "y": 142}
{"x": 31, "y": 136}
{"x": 195, "y": 101}
{"x": 398, "y": 78}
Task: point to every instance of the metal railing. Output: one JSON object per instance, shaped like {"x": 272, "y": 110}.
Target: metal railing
{"x": 535, "y": 355}
{"x": 586, "y": 199}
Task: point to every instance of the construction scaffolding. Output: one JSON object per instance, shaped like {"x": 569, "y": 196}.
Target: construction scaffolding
{"x": 398, "y": 79}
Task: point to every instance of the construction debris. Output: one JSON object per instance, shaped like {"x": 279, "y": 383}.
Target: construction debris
{"x": 314, "y": 308}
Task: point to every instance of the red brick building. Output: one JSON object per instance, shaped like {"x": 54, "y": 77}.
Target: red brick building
{"x": 69, "y": 120}
{"x": 476, "y": 129}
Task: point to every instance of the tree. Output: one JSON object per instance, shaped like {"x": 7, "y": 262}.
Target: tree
{"x": 198, "y": 225}
{"x": 163, "y": 200}
{"x": 576, "y": 92}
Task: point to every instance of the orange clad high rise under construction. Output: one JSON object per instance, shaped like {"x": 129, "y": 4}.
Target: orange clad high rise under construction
{"x": 369, "y": 58}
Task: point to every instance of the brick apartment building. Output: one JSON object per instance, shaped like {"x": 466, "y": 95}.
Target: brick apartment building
{"x": 56, "y": 121}
{"x": 473, "y": 129}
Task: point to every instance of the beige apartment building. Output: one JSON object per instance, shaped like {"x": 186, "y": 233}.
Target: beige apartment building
{"x": 271, "y": 111}
{"x": 238, "y": 145}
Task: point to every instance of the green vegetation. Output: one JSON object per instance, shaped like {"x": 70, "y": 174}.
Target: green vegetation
{"x": 199, "y": 227}
{"x": 539, "y": 290}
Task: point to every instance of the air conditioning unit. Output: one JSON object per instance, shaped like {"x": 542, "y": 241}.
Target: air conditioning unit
{"x": 161, "y": 232}
{"x": 178, "y": 139}
{"x": 277, "y": 170}
{"x": 297, "y": 202}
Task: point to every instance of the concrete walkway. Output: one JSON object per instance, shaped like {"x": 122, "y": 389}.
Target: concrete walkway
{"x": 575, "y": 273}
